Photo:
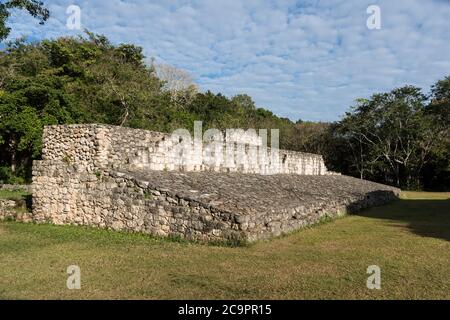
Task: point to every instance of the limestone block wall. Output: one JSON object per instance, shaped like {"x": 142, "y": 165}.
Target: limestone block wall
{"x": 292, "y": 162}
{"x": 102, "y": 146}
{"x": 73, "y": 144}
{"x": 224, "y": 207}
{"x": 68, "y": 194}
{"x": 131, "y": 179}
{"x": 16, "y": 187}
{"x": 7, "y": 208}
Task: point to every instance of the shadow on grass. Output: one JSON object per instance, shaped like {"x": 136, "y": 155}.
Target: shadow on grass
{"x": 427, "y": 218}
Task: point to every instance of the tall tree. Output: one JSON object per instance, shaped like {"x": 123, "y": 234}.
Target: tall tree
{"x": 69, "y": 80}
{"x": 178, "y": 83}
{"x": 436, "y": 173}
{"x": 392, "y": 135}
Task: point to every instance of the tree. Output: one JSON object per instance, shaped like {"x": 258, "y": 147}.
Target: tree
{"x": 244, "y": 101}
{"x": 122, "y": 82}
{"x": 178, "y": 83}
{"x": 437, "y": 171}
{"x": 391, "y": 136}
{"x": 311, "y": 136}
{"x": 440, "y": 101}
{"x": 175, "y": 79}
{"x": 69, "y": 80}
{"x": 400, "y": 137}
{"x": 33, "y": 7}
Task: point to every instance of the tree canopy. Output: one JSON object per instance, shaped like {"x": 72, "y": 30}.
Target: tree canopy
{"x": 399, "y": 137}
{"x": 393, "y": 136}
{"x": 88, "y": 79}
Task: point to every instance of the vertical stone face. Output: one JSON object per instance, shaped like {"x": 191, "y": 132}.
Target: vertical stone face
{"x": 101, "y": 146}
{"x": 64, "y": 194}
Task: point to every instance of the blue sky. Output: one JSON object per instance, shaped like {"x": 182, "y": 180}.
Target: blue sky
{"x": 301, "y": 59}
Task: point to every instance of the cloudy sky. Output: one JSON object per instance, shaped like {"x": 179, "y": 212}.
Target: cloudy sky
{"x": 305, "y": 59}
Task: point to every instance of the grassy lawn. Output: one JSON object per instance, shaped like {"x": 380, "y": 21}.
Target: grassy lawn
{"x": 409, "y": 239}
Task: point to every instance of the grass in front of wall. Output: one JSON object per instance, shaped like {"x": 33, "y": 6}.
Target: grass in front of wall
{"x": 22, "y": 199}
{"x": 13, "y": 195}
{"x": 409, "y": 239}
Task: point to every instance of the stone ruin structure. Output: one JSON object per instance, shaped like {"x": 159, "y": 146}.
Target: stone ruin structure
{"x": 131, "y": 180}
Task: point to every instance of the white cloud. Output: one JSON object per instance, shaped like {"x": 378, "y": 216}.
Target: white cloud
{"x": 306, "y": 61}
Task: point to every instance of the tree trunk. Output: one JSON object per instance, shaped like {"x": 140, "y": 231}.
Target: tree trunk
{"x": 397, "y": 176}
{"x": 13, "y": 148}
{"x": 13, "y": 163}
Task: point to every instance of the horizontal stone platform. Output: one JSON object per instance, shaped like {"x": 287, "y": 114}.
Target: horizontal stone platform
{"x": 257, "y": 194}
{"x": 207, "y": 206}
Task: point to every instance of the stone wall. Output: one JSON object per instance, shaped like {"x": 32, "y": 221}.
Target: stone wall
{"x": 7, "y": 207}
{"x": 14, "y": 210}
{"x": 196, "y": 205}
{"x": 129, "y": 179}
{"x": 119, "y": 202}
{"x": 14, "y": 207}
{"x": 16, "y": 187}
{"x": 102, "y": 146}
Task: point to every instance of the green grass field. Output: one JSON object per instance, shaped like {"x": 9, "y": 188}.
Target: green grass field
{"x": 409, "y": 239}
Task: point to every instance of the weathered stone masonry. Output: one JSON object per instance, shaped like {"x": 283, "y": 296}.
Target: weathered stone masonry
{"x": 118, "y": 178}
{"x": 101, "y": 146}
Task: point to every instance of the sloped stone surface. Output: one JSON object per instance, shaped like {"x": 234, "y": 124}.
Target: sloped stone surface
{"x": 256, "y": 194}
{"x": 207, "y": 206}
